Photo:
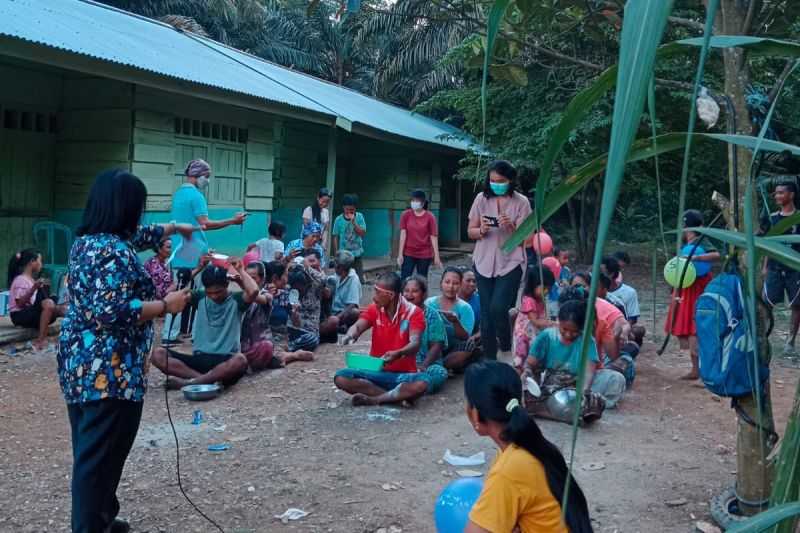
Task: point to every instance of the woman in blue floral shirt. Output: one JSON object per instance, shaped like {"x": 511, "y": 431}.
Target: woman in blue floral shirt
{"x": 105, "y": 341}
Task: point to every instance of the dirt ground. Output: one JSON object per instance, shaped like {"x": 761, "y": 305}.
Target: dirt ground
{"x": 295, "y": 441}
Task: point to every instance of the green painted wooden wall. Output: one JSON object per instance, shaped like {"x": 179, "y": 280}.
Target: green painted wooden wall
{"x": 28, "y": 127}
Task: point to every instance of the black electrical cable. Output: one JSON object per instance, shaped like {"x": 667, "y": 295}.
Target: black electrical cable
{"x": 178, "y": 460}
{"x": 178, "y": 449}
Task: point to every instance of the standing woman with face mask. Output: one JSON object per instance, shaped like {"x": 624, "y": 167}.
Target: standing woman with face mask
{"x": 495, "y": 214}
{"x": 318, "y": 212}
{"x": 419, "y": 238}
{"x": 189, "y": 206}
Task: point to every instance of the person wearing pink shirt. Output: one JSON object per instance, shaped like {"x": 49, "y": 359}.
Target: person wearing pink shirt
{"x": 495, "y": 214}
{"x": 29, "y": 304}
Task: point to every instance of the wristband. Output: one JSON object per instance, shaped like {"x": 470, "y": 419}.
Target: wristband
{"x": 164, "y": 310}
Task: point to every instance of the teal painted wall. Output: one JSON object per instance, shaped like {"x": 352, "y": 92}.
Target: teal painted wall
{"x": 292, "y": 217}
{"x": 232, "y": 240}
{"x": 448, "y": 226}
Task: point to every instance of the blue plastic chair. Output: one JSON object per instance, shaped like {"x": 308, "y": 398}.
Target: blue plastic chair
{"x": 54, "y": 240}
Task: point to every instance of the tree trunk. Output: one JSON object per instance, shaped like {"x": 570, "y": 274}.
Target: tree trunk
{"x": 754, "y": 472}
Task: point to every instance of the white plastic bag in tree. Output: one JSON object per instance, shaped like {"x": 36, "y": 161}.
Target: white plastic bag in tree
{"x": 707, "y": 108}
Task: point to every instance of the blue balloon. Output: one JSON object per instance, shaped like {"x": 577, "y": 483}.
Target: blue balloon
{"x": 454, "y": 504}
{"x": 701, "y": 267}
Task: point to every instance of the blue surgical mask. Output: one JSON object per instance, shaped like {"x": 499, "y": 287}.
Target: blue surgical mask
{"x": 499, "y": 188}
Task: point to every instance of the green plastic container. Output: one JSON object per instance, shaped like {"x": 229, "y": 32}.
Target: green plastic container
{"x": 358, "y": 361}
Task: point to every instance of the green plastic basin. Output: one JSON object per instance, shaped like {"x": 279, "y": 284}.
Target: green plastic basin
{"x": 358, "y": 361}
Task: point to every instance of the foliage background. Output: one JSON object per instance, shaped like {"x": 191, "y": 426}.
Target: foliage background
{"x": 427, "y": 55}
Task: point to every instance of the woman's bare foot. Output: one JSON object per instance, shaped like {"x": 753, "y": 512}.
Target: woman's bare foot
{"x": 40, "y": 345}
{"x": 299, "y": 355}
{"x": 691, "y": 376}
{"x": 174, "y": 383}
{"x": 363, "y": 399}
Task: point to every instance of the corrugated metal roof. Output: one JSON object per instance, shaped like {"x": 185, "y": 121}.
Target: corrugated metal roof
{"x": 108, "y": 34}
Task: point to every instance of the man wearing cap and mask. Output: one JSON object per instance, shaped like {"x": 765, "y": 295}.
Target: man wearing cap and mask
{"x": 189, "y": 206}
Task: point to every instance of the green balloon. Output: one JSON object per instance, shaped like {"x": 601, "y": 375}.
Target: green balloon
{"x": 673, "y": 270}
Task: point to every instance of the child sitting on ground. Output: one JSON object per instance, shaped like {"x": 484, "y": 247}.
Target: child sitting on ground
{"x": 29, "y": 303}
{"x": 308, "y": 285}
{"x": 277, "y": 281}
{"x": 621, "y": 291}
{"x": 271, "y": 248}
{"x": 553, "y": 265}
{"x": 532, "y": 314}
{"x": 257, "y": 342}
{"x": 216, "y": 337}
{"x": 554, "y": 361}
{"x": 623, "y": 259}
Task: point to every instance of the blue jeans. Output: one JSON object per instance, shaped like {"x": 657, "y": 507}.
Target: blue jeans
{"x": 386, "y": 380}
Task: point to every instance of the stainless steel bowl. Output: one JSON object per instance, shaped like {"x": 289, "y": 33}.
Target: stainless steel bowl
{"x": 199, "y": 393}
{"x": 562, "y": 404}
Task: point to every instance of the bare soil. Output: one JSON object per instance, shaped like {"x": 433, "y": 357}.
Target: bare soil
{"x": 295, "y": 441}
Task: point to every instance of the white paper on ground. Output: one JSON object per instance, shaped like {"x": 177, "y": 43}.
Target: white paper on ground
{"x": 292, "y": 514}
{"x": 469, "y": 473}
{"x": 457, "y": 460}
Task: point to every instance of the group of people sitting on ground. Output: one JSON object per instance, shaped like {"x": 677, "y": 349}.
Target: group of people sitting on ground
{"x": 548, "y": 335}
{"x": 421, "y": 339}
{"x": 283, "y": 311}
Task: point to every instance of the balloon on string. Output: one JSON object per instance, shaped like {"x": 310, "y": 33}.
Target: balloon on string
{"x": 250, "y": 257}
{"x": 451, "y": 514}
{"x": 541, "y": 243}
{"x": 701, "y": 267}
{"x": 674, "y": 269}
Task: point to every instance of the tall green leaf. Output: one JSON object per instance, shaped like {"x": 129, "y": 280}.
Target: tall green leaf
{"x": 651, "y": 110}
{"x": 496, "y": 15}
{"x": 757, "y": 46}
{"x": 783, "y": 225}
{"x": 767, "y": 519}
{"x": 787, "y": 467}
{"x": 641, "y": 150}
{"x": 576, "y": 110}
{"x": 767, "y": 246}
{"x": 711, "y": 13}
{"x": 642, "y": 29}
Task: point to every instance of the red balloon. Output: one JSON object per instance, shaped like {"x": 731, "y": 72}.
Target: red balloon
{"x": 250, "y": 257}
{"x": 541, "y": 243}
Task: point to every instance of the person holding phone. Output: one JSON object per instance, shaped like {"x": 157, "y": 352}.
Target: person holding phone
{"x": 459, "y": 320}
{"x": 105, "y": 341}
{"x": 30, "y": 304}
{"x": 189, "y": 206}
{"x": 349, "y": 230}
{"x": 495, "y": 214}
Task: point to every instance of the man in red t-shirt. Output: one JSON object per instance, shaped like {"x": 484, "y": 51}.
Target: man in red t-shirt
{"x": 397, "y": 328}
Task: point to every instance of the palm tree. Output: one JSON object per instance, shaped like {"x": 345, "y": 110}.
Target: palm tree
{"x": 412, "y": 40}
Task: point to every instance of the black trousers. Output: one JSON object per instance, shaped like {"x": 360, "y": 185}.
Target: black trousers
{"x": 185, "y": 280}
{"x": 102, "y": 435}
{"x": 411, "y": 263}
{"x": 498, "y": 295}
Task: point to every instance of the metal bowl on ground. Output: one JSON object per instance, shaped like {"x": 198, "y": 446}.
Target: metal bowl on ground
{"x": 200, "y": 393}
{"x": 562, "y": 404}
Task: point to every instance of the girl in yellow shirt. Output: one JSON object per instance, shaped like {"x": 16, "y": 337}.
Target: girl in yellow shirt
{"x": 526, "y": 482}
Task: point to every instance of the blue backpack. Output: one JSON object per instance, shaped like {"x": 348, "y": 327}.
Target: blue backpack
{"x": 725, "y": 342}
